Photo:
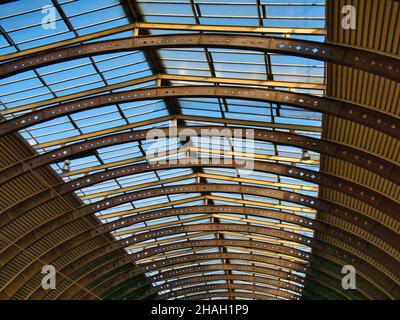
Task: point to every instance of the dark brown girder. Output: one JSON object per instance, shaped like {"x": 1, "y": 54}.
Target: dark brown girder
{"x": 103, "y": 290}
{"x": 372, "y": 118}
{"x": 231, "y": 294}
{"x": 110, "y": 286}
{"x": 203, "y": 279}
{"x": 202, "y": 288}
{"x": 218, "y": 256}
{"x": 157, "y": 265}
{"x": 361, "y": 265}
{"x": 107, "y": 289}
{"x": 345, "y": 237}
{"x": 361, "y": 193}
{"x": 385, "y": 235}
{"x": 246, "y": 278}
{"x": 28, "y": 240}
{"x": 360, "y": 158}
{"x": 364, "y": 222}
{"x": 171, "y": 262}
{"x": 205, "y": 287}
{"x": 361, "y": 244}
{"x": 189, "y": 188}
{"x": 356, "y": 58}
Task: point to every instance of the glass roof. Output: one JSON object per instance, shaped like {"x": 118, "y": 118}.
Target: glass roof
{"x": 21, "y": 29}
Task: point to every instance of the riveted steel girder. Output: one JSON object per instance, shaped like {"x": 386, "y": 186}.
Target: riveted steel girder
{"x": 361, "y": 245}
{"x": 318, "y": 226}
{"x": 231, "y": 294}
{"x": 108, "y": 287}
{"x": 372, "y": 118}
{"x": 193, "y": 188}
{"x": 349, "y": 215}
{"x": 360, "y": 158}
{"x": 71, "y": 291}
{"x": 327, "y": 281}
{"x": 242, "y": 228}
{"x": 28, "y": 239}
{"x": 256, "y": 288}
{"x": 372, "y": 62}
{"x": 122, "y": 281}
{"x": 171, "y": 262}
{"x": 232, "y": 277}
{"x": 185, "y": 293}
{"x": 231, "y": 256}
{"x": 374, "y": 199}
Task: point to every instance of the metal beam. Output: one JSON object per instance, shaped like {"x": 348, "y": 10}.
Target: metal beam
{"x": 380, "y": 166}
{"x": 72, "y": 216}
{"x": 382, "y": 65}
{"x": 158, "y": 265}
{"x": 190, "y": 259}
{"x": 303, "y": 174}
{"x": 254, "y": 288}
{"x": 197, "y": 176}
{"x": 270, "y": 125}
{"x": 281, "y": 234}
{"x": 127, "y": 290}
{"x": 107, "y": 288}
{"x": 208, "y": 216}
{"x": 135, "y": 27}
{"x": 359, "y": 192}
{"x": 257, "y": 156}
{"x": 231, "y": 295}
{"x": 354, "y": 112}
{"x": 156, "y": 78}
{"x": 171, "y": 253}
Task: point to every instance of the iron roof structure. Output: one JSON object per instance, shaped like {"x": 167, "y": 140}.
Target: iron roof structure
{"x": 276, "y": 161}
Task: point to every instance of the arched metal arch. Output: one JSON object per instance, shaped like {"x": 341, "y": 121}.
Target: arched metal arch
{"x": 108, "y": 288}
{"x": 152, "y": 215}
{"x": 124, "y": 222}
{"x": 280, "y": 234}
{"x": 197, "y": 188}
{"x": 124, "y": 290}
{"x": 206, "y": 278}
{"x": 121, "y": 287}
{"x": 177, "y": 189}
{"x": 291, "y": 292}
{"x": 139, "y": 255}
{"x": 360, "y": 59}
{"x": 328, "y": 281}
{"x": 257, "y": 212}
{"x": 372, "y": 118}
{"x": 235, "y": 256}
{"x": 362, "y": 159}
{"x": 202, "y": 288}
{"x": 243, "y": 210}
{"x": 319, "y": 204}
{"x": 200, "y": 257}
{"x": 366, "y": 195}
{"x": 238, "y": 243}
{"x": 231, "y": 294}
{"x": 68, "y": 295}
{"x": 118, "y": 224}
{"x": 157, "y": 265}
